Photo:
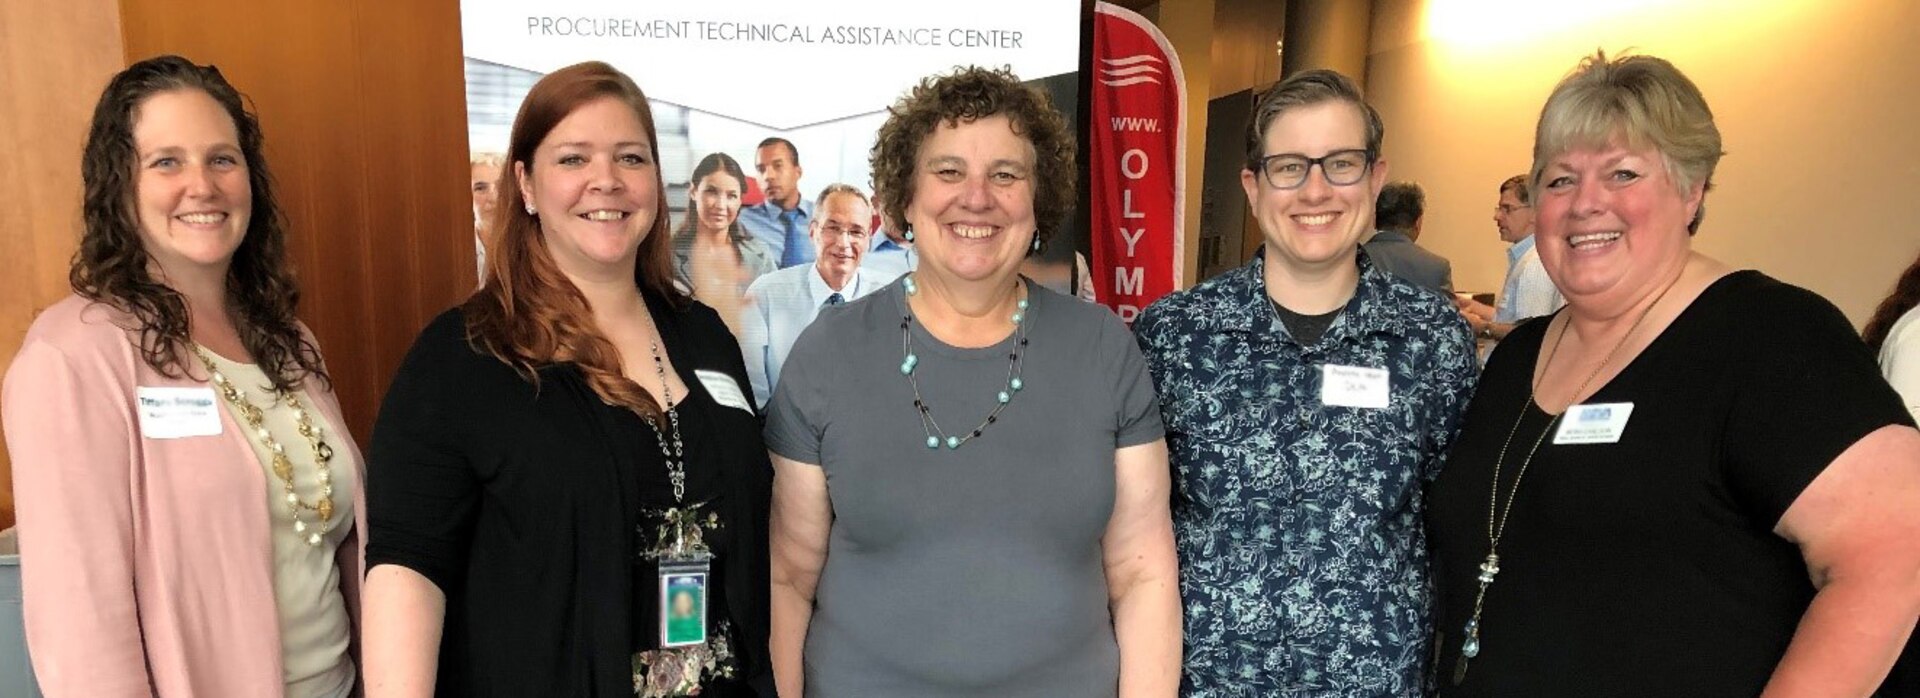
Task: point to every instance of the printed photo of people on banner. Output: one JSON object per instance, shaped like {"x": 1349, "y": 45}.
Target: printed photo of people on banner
{"x": 766, "y": 113}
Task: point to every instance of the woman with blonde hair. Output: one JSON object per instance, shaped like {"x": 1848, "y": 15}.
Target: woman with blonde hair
{"x": 1689, "y": 481}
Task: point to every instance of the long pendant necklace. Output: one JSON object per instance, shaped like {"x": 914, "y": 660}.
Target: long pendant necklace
{"x": 1496, "y": 514}
{"x": 283, "y": 467}
{"x": 911, "y": 361}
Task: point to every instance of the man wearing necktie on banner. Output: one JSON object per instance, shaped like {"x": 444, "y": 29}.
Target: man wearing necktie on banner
{"x": 782, "y": 220}
{"x": 782, "y": 303}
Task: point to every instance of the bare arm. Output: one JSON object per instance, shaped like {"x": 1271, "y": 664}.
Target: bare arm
{"x": 802, "y": 516}
{"x": 402, "y": 615}
{"x": 1143, "y": 575}
{"x": 1856, "y": 525}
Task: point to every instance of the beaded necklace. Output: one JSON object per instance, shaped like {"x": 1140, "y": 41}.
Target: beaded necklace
{"x": 935, "y": 435}
{"x": 281, "y": 466}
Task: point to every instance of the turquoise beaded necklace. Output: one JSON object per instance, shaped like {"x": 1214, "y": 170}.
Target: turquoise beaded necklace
{"x": 935, "y": 435}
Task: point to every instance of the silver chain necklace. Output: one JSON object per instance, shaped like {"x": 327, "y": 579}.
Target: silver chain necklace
{"x": 674, "y": 457}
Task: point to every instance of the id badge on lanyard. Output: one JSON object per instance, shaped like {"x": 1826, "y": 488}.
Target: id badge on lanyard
{"x": 683, "y": 599}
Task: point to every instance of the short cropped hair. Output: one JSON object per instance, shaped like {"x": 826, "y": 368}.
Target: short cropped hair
{"x": 793, "y": 154}
{"x": 1400, "y": 206}
{"x": 1305, "y": 89}
{"x": 1518, "y": 185}
{"x": 838, "y": 188}
{"x": 1637, "y": 102}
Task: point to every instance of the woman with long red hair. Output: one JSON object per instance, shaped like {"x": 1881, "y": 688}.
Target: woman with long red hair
{"x": 572, "y": 491}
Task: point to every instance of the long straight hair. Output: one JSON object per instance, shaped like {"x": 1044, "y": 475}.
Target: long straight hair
{"x": 527, "y": 313}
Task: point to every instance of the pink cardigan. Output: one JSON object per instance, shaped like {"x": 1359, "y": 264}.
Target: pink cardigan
{"x": 146, "y": 563}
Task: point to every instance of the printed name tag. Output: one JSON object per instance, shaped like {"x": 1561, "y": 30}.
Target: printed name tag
{"x": 177, "y": 413}
{"x": 723, "y": 389}
{"x": 1353, "y": 386}
{"x": 1593, "y": 424}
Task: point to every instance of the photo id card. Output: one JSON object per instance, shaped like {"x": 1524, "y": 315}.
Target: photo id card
{"x": 1600, "y": 423}
{"x": 177, "y": 413}
{"x": 1353, "y": 386}
{"x": 683, "y": 602}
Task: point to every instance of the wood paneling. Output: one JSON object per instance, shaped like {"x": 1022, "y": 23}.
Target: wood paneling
{"x": 54, "y": 58}
{"x": 363, "y": 106}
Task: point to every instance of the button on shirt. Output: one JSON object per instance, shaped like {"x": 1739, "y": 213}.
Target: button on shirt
{"x": 775, "y": 227}
{"x": 1298, "y": 524}
{"x": 1528, "y": 291}
{"x": 779, "y": 306}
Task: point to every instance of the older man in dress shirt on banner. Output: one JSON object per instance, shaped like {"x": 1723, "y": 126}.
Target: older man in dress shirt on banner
{"x": 782, "y": 303}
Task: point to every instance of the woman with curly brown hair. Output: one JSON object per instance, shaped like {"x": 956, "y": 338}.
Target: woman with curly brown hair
{"x": 1894, "y": 331}
{"x": 997, "y": 523}
{"x": 568, "y": 490}
{"x": 187, "y": 494}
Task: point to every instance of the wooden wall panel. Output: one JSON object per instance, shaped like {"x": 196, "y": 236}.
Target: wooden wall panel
{"x": 363, "y": 107}
{"x": 54, "y": 59}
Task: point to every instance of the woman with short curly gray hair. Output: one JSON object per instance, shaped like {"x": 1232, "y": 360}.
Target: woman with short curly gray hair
{"x": 998, "y": 518}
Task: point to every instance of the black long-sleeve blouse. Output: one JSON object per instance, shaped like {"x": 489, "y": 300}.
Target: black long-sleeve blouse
{"x": 521, "y": 503}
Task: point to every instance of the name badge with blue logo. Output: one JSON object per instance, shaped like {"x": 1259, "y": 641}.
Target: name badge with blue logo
{"x": 1594, "y": 424}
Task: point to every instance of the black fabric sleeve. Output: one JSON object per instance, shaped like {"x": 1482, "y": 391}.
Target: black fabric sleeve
{"x": 422, "y": 492}
{"x": 1805, "y": 388}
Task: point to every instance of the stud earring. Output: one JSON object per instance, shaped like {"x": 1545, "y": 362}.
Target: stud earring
{"x": 909, "y": 233}
{"x": 530, "y": 210}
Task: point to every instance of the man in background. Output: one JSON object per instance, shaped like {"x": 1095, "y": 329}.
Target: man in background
{"x": 781, "y": 221}
{"x": 1527, "y": 292}
{"x": 1399, "y": 212}
{"x": 782, "y": 303}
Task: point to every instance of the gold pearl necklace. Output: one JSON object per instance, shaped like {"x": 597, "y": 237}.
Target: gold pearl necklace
{"x": 283, "y": 467}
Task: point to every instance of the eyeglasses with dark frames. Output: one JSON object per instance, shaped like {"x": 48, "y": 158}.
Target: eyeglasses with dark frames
{"x": 1289, "y": 170}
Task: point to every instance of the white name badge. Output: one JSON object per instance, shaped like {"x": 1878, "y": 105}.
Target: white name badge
{"x": 1353, "y": 386}
{"x": 1594, "y": 424}
{"x": 723, "y": 389}
{"x": 177, "y": 413}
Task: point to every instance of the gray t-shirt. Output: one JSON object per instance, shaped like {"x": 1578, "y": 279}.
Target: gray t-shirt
{"x": 976, "y": 571}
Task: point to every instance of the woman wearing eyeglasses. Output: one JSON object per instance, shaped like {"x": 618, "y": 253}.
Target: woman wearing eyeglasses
{"x": 1308, "y": 396}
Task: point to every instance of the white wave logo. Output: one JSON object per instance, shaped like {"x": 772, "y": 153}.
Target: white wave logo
{"x": 1132, "y": 70}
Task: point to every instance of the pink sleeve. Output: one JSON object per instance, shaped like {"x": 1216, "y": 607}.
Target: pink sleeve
{"x": 69, "y": 430}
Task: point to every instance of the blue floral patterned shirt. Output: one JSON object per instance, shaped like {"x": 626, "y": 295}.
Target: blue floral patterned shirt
{"x": 1303, "y": 561}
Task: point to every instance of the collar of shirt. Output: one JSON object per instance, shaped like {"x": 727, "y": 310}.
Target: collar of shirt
{"x": 1518, "y": 250}
{"x": 818, "y": 290}
{"x": 1249, "y": 308}
{"x": 882, "y": 243}
{"x": 771, "y": 210}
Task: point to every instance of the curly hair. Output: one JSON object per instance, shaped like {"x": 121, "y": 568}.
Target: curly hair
{"x": 1906, "y": 295}
{"x": 528, "y": 314}
{"x": 112, "y": 265}
{"x": 966, "y": 95}
{"x": 713, "y": 162}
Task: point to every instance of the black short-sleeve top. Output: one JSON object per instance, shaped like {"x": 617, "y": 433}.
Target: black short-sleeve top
{"x": 1649, "y": 566}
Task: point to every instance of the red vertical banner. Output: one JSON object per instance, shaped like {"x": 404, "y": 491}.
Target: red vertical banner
{"x": 1137, "y": 169}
